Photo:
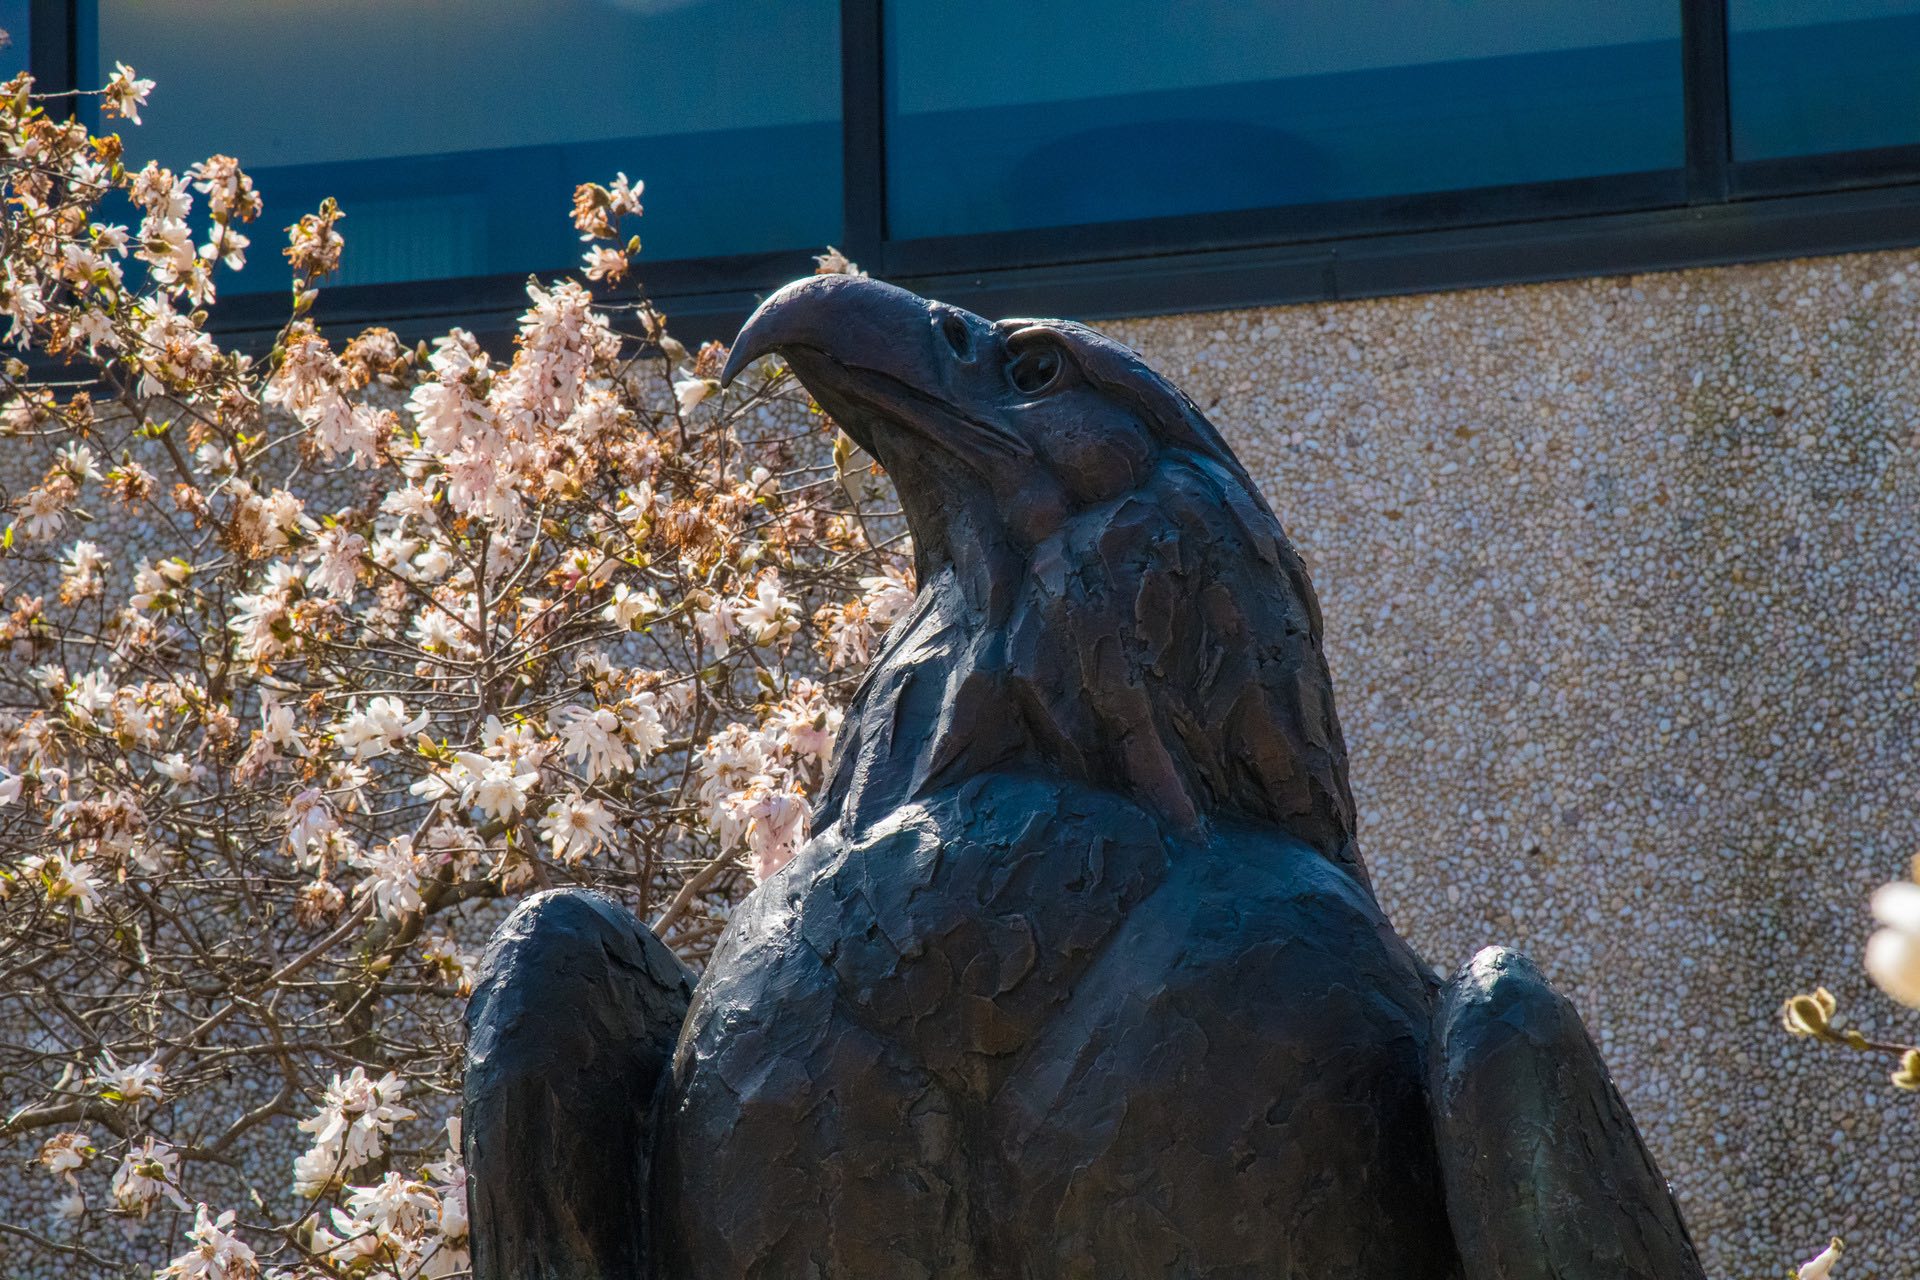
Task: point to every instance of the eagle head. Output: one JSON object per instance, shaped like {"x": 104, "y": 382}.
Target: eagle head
{"x": 1103, "y": 591}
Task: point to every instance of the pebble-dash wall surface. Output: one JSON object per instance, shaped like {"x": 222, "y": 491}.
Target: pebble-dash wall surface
{"x": 1620, "y": 582}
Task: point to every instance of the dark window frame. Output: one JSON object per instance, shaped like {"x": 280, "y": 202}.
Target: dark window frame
{"x": 1714, "y": 210}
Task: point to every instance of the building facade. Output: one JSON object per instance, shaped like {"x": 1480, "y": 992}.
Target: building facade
{"x": 1577, "y": 345}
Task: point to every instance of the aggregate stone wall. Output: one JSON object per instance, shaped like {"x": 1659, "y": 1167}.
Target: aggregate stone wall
{"x": 1619, "y": 578}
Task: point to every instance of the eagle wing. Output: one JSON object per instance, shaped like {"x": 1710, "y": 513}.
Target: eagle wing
{"x": 570, "y": 1031}
{"x": 1546, "y": 1177}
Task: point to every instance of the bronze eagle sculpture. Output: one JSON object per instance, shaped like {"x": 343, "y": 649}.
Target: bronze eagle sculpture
{"x": 1081, "y": 975}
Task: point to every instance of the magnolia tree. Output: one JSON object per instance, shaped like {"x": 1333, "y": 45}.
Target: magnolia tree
{"x": 1892, "y": 960}
{"x": 317, "y": 653}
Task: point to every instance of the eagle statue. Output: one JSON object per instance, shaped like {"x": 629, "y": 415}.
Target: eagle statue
{"x": 1081, "y": 975}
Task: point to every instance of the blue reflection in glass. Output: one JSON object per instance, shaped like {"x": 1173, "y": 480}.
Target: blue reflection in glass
{"x": 453, "y": 134}
{"x": 1014, "y": 114}
{"x": 1808, "y": 76}
{"x": 14, "y": 17}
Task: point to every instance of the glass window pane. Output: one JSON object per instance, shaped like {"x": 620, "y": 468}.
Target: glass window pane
{"x": 454, "y": 133}
{"x": 1010, "y": 113}
{"x": 14, "y": 15}
{"x": 1808, "y": 76}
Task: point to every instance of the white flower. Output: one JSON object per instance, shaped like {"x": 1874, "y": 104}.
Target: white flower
{"x": 393, "y": 877}
{"x": 629, "y": 606}
{"x": 1893, "y": 952}
{"x": 370, "y": 734}
{"x": 495, "y": 787}
{"x": 66, "y": 880}
{"x": 146, "y": 1174}
{"x": 80, "y": 570}
{"x": 576, "y": 826}
{"x": 768, "y": 615}
{"x": 590, "y": 737}
{"x": 777, "y": 820}
{"x": 356, "y": 1115}
{"x": 262, "y": 620}
{"x": 886, "y": 596}
{"x": 338, "y": 552}
{"x": 10, "y": 785}
{"x": 125, "y": 93}
{"x": 78, "y": 461}
{"x": 43, "y": 510}
{"x": 65, "y": 1152}
{"x": 316, "y": 1171}
{"x": 227, "y": 246}
{"x": 689, "y": 392}
{"x": 174, "y": 767}
{"x": 310, "y": 822}
{"x": 153, "y": 584}
{"x": 88, "y": 696}
{"x": 437, "y": 631}
{"x": 640, "y": 719}
{"x": 715, "y": 623}
{"x": 1820, "y": 1266}
{"x": 217, "y": 1254}
{"x": 131, "y": 1083}
{"x": 277, "y": 726}
{"x": 603, "y": 263}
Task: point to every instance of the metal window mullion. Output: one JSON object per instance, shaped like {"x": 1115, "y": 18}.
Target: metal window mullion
{"x": 863, "y": 122}
{"x": 1709, "y": 134}
{"x": 53, "y": 46}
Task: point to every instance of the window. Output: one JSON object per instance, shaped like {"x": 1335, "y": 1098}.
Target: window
{"x": 15, "y": 16}
{"x": 1082, "y": 111}
{"x": 1088, "y": 157}
{"x": 1811, "y": 76}
{"x": 454, "y": 133}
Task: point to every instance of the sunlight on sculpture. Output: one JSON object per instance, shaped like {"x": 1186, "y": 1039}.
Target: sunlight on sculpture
{"x": 1080, "y": 972}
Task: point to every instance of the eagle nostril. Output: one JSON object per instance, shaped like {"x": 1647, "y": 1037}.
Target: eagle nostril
{"x": 958, "y": 336}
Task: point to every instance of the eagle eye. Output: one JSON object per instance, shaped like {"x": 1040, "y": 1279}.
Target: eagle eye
{"x": 1035, "y": 369}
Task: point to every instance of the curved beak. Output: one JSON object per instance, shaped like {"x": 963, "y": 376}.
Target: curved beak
{"x": 881, "y": 360}
{"x": 855, "y": 319}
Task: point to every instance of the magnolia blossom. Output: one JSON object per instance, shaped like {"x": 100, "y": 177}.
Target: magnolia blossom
{"x": 132, "y": 1083}
{"x": 1820, "y": 1266}
{"x": 277, "y": 726}
{"x": 629, "y": 606}
{"x": 716, "y": 622}
{"x": 356, "y": 1114}
{"x": 393, "y": 877}
{"x": 66, "y": 880}
{"x": 310, "y": 823}
{"x": 263, "y": 620}
{"x": 1893, "y": 952}
{"x": 126, "y": 93}
{"x": 217, "y": 1254}
{"x": 603, "y": 263}
{"x": 43, "y": 510}
{"x": 338, "y": 552}
{"x": 777, "y": 817}
{"x": 154, "y": 584}
{"x": 575, "y": 826}
{"x": 690, "y": 392}
{"x": 495, "y": 787}
{"x": 768, "y": 615}
{"x": 65, "y": 1152}
{"x": 81, "y": 570}
{"x": 369, "y": 734}
{"x": 592, "y": 739}
{"x": 148, "y": 1173}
